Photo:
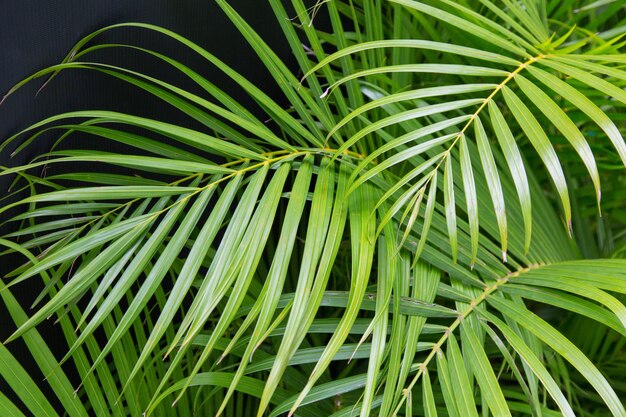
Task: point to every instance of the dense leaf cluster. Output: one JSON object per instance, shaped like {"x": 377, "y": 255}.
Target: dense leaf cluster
{"x": 418, "y": 233}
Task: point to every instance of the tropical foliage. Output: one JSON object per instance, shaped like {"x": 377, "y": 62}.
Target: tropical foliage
{"x": 421, "y": 231}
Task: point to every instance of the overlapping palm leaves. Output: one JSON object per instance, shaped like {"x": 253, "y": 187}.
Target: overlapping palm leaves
{"x": 385, "y": 246}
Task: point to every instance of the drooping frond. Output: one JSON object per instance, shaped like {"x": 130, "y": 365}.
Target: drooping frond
{"x": 406, "y": 238}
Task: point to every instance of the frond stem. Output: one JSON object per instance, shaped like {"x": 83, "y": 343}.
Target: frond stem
{"x": 498, "y": 87}
{"x": 436, "y": 350}
{"x": 486, "y": 102}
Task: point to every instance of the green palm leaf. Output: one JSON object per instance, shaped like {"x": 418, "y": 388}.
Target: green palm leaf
{"x": 405, "y": 238}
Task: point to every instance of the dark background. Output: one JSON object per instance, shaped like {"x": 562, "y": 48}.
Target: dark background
{"x": 35, "y": 34}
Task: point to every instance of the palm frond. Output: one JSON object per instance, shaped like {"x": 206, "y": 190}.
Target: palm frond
{"x": 391, "y": 244}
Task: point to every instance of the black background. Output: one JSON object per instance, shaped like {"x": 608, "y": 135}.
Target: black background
{"x": 35, "y": 34}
